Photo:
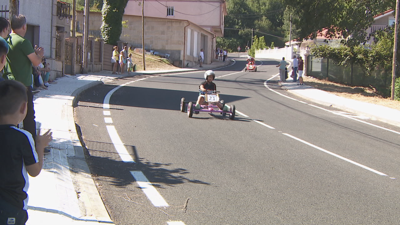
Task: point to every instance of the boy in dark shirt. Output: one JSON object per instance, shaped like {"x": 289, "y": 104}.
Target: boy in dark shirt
{"x": 18, "y": 154}
{"x": 207, "y": 86}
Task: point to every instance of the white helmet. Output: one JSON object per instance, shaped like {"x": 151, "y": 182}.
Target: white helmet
{"x": 209, "y": 73}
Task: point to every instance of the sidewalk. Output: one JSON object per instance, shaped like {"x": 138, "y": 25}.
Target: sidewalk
{"x": 375, "y": 112}
{"x": 64, "y": 192}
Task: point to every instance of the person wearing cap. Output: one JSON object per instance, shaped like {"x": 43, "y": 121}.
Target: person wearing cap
{"x": 208, "y": 86}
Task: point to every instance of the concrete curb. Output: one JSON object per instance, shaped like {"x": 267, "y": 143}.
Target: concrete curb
{"x": 375, "y": 112}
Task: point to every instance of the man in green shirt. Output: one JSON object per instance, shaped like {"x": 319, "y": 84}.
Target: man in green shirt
{"x": 20, "y": 59}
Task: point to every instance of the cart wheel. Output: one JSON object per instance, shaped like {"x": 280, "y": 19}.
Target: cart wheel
{"x": 233, "y": 112}
{"x": 255, "y": 70}
{"x": 183, "y": 104}
{"x": 190, "y": 110}
{"x": 245, "y": 70}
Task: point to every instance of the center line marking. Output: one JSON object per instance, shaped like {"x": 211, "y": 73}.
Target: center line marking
{"x": 265, "y": 125}
{"x": 336, "y": 155}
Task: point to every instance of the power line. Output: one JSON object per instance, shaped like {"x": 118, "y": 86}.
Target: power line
{"x": 272, "y": 12}
{"x": 226, "y": 28}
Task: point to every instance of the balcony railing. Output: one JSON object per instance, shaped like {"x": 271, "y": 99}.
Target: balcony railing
{"x": 377, "y": 27}
{"x": 63, "y": 10}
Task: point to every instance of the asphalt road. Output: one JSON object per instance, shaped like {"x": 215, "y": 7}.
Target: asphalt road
{"x": 282, "y": 160}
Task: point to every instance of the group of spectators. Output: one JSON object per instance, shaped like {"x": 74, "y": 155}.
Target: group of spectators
{"x": 122, "y": 61}
{"x": 21, "y": 150}
{"x": 297, "y": 69}
{"x": 221, "y": 54}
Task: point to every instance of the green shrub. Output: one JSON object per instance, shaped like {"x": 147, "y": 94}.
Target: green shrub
{"x": 397, "y": 89}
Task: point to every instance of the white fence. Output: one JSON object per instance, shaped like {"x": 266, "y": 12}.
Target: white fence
{"x": 275, "y": 53}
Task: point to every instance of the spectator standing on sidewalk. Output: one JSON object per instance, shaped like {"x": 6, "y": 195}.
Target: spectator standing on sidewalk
{"x": 121, "y": 62}
{"x": 282, "y": 66}
{"x": 19, "y": 155}
{"x": 20, "y": 59}
{"x": 295, "y": 67}
{"x": 201, "y": 58}
{"x": 124, "y": 58}
{"x": 225, "y": 52}
{"x": 115, "y": 59}
{"x": 130, "y": 64}
{"x": 301, "y": 66}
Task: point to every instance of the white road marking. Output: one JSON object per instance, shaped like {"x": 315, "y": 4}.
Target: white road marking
{"x": 106, "y": 102}
{"x": 265, "y": 125}
{"x": 266, "y": 85}
{"x": 229, "y": 74}
{"x": 108, "y": 120}
{"x": 119, "y": 146}
{"x": 151, "y": 193}
{"x": 331, "y": 111}
{"x": 355, "y": 118}
{"x": 242, "y": 114}
{"x": 314, "y": 146}
{"x": 261, "y": 123}
{"x": 336, "y": 155}
{"x": 175, "y": 223}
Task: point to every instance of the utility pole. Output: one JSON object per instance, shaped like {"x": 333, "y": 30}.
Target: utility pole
{"x": 14, "y": 8}
{"x": 395, "y": 50}
{"x": 144, "y": 51}
{"x": 85, "y": 38}
{"x": 252, "y": 36}
{"x": 290, "y": 31}
{"x": 74, "y": 18}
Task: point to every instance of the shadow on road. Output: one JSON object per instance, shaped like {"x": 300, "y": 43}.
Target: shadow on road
{"x": 106, "y": 165}
{"x": 145, "y": 98}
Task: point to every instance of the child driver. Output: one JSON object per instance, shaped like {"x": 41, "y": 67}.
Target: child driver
{"x": 206, "y": 86}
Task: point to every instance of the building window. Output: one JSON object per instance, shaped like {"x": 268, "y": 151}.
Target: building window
{"x": 170, "y": 11}
{"x": 391, "y": 21}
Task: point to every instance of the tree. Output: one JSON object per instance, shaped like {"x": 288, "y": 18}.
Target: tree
{"x": 377, "y": 57}
{"x": 258, "y": 43}
{"x": 229, "y": 44}
{"x": 264, "y": 16}
{"x": 111, "y": 27}
{"x": 269, "y": 19}
{"x": 346, "y": 18}
{"x": 261, "y": 43}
